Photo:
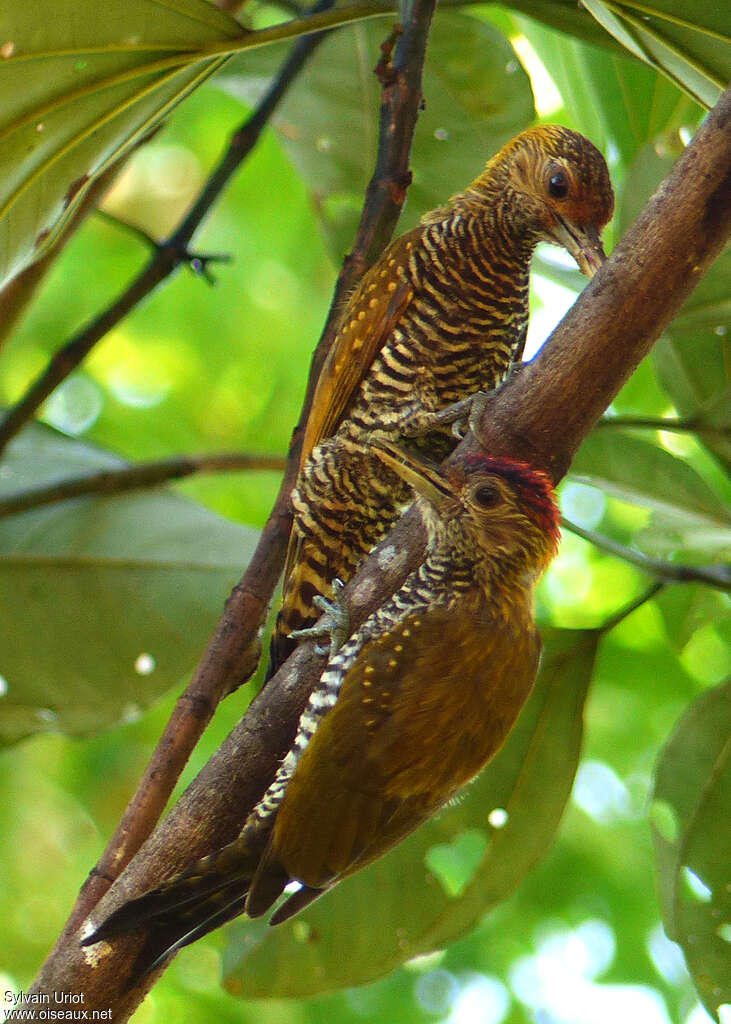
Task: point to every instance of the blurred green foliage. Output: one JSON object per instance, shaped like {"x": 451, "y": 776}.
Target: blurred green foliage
{"x": 198, "y": 368}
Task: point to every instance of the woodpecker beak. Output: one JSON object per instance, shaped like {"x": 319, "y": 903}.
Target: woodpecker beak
{"x": 426, "y": 478}
{"x": 583, "y": 243}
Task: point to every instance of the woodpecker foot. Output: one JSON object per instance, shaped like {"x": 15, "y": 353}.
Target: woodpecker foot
{"x": 337, "y": 625}
{"x": 422, "y": 422}
{"x": 462, "y": 415}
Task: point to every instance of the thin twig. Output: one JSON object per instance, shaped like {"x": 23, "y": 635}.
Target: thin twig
{"x": 169, "y": 254}
{"x": 130, "y": 229}
{"x": 689, "y": 425}
{"x": 132, "y": 478}
{"x": 718, "y": 576}
{"x": 628, "y": 609}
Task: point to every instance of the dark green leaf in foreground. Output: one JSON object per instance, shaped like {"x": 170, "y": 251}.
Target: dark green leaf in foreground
{"x": 439, "y": 883}
{"x": 82, "y": 83}
{"x": 691, "y": 812}
{"x": 104, "y": 602}
{"x": 476, "y": 95}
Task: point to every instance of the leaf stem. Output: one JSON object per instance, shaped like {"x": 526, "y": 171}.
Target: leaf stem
{"x": 718, "y": 576}
{"x": 688, "y": 425}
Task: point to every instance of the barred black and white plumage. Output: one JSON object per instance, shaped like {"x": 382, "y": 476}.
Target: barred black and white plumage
{"x": 442, "y": 315}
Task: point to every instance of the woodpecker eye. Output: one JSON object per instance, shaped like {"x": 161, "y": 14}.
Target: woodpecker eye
{"x": 487, "y": 495}
{"x": 558, "y": 185}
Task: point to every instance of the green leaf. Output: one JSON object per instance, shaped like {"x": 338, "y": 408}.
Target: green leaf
{"x": 687, "y": 609}
{"x": 651, "y": 163}
{"x": 692, "y": 358}
{"x": 106, "y": 602}
{"x": 691, "y": 814}
{"x": 693, "y": 355}
{"x": 693, "y": 51}
{"x": 84, "y": 83}
{"x": 397, "y": 909}
{"x": 476, "y": 96}
{"x": 566, "y": 16}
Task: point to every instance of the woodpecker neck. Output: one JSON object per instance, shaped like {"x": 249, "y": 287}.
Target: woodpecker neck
{"x": 501, "y": 577}
{"x": 501, "y": 568}
{"x": 493, "y": 199}
{"x": 488, "y": 221}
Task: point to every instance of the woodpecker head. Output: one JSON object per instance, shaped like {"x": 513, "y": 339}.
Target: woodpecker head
{"x": 494, "y": 506}
{"x": 553, "y": 184}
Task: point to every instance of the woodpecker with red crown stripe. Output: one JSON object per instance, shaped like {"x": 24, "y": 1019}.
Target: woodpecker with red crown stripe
{"x": 407, "y": 711}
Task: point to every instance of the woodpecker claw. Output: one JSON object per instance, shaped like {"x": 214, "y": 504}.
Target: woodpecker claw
{"x": 336, "y": 626}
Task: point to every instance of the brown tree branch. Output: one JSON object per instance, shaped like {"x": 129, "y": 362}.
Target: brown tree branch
{"x": 143, "y": 474}
{"x": 542, "y": 414}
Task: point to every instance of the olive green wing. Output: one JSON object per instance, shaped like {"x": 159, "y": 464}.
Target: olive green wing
{"x": 421, "y": 710}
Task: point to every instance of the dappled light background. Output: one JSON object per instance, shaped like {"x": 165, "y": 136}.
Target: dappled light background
{"x": 202, "y": 368}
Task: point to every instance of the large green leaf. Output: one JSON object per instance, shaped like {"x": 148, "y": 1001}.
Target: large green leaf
{"x": 691, "y": 46}
{"x": 441, "y": 881}
{"x": 687, "y": 609}
{"x": 693, "y": 359}
{"x": 106, "y": 602}
{"x": 599, "y": 85}
{"x": 476, "y": 97}
{"x": 691, "y": 815}
{"x": 83, "y": 82}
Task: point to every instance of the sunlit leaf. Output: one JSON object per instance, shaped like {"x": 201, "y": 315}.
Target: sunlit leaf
{"x": 694, "y": 356}
{"x": 691, "y": 813}
{"x": 104, "y": 602}
{"x": 398, "y": 907}
{"x": 83, "y": 83}
{"x": 691, "y": 46}
{"x": 687, "y": 609}
{"x": 476, "y": 96}
{"x": 568, "y": 17}
{"x": 599, "y": 85}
